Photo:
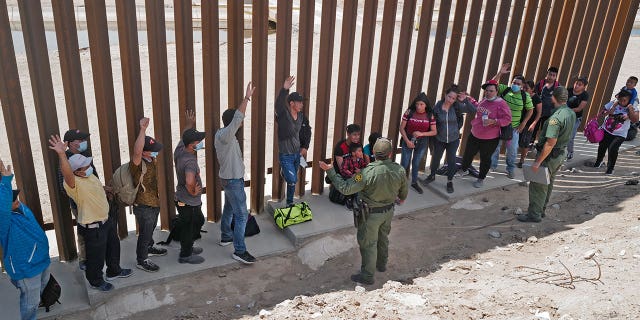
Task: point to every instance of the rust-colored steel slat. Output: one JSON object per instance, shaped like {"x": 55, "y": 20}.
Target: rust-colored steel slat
{"x": 384, "y": 64}
{"x": 481, "y": 57}
{"x": 402, "y": 65}
{"x": 235, "y": 66}
{"x": 525, "y": 37}
{"x": 422, "y": 46}
{"x": 105, "y": 100}
{"x": 157, "y": 40}
{"x": 535, "y": 50}
{"x": 44, "y": 101}
{"x": 184, "y": 58}
{"x": 283, "y": 65}
{"x": 365, "y": 62}
{"x": 514, "y": 32}
{"x": 544, "y": 58}
{"x": 601, "y": 48}
{"x": 455, "y": 42}
{"x": 305, "y": 58}
{"x": 325, "y": 65}
{"x": 71, "y": 70}
{"x": 15, "y": 120}
{"x": 564, "y": 77}
{"x": 498, "y": 37}
{"x": 130, "y": 61}
{"x": 211, "y": 81}
{"x": 438, "y": 52}
{"x": 347, "y": 39}
{"x": 609, "y": 43}
{"x": 621, "y": 49}
{"x": 594, "y": 39}
{"x": 583, "y": 39}
{"x": 260, "y": 24}
{"x": 470, "y": 43}
{"x": 562, "y": 33}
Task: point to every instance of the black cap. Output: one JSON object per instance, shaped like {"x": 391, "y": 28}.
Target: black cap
{"x": 150, "y": 144}
{"x": 16, "y": 192}
{"x": 294, "y": 96}
{"x": 191, "y": 135}
{"x": 75, "y": 134}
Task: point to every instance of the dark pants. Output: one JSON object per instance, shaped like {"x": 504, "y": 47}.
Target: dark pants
{"x": 612, "y": 144}
{"x": 101, "y": 245}
{"x": 190, "y": 220}
{"x": 486, "y": 147}
{"x": 147, "y": 219}
{"x": 451, "y": 148}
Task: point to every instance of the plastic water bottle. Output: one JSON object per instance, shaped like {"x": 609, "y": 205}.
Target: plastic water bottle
{"x": 485, "y": 118}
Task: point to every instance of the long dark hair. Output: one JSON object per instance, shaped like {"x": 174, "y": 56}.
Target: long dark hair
{"x": 421, "y": 97}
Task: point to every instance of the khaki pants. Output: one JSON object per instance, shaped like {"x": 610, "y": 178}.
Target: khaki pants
{"x": 539, "y": 194}
{"x": 373, "y": 239}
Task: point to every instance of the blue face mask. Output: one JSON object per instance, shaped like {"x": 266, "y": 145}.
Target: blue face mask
{"x": 515, "y": 88}
{"x": 89, "y": 172}
{"x": 153, "y": 154}
{"x": 83, "y": 146}
{"x": 199, "y": 146}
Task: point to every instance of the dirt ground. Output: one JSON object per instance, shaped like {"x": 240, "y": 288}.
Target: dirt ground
{"x": 467, "y": 260}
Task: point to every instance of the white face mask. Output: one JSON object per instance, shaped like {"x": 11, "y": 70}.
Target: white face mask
{"x": 492, "y": 99}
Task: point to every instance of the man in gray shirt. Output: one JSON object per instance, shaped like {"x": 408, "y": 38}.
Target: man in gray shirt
{"x": 232, "y": 178}
{"x": 188, "y": 191}
{"x": 294, "y": 134}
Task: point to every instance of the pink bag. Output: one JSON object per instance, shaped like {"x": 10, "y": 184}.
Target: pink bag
{"x": 593, "y": 131}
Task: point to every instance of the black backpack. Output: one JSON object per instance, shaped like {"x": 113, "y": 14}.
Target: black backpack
{"x": 50, "y": 294}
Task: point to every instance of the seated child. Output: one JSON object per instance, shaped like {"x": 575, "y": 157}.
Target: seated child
{"x": 367, "y": 150}
{"x": 352, "y": 165}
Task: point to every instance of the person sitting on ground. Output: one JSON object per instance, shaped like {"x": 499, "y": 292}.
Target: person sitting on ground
{"x": 341, "y": 150}
{"x": 578, "y": 99}
{"x": 619, "y": 116}
{"x": 492, "y": 113}
{"x": 24, "y": 245}
{"x": 367, "y": 150}
{"x": 418, "y": 124}
{"x": 528, "y": 135}
{"x": 94, "y": 223}
{"x": 354, "y": 163}
{"x": 146, "y": 207}
{"x": 448, "y": 117}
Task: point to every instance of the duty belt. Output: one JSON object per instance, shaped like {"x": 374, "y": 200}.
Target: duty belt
{"x": 381, "y": 209}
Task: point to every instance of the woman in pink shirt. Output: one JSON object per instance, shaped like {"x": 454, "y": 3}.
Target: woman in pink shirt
{"x": 493, "y": 113}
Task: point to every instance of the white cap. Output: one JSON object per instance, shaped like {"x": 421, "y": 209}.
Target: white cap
{"x": 78, "y": 161}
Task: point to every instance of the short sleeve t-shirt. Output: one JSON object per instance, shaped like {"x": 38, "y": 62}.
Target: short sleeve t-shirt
{"x": 517, "y": 106}
{"x": 420, "y": 122}
{"x": 186, "y": 162}
{"x": 91, "y": 200}
{"x": 148, "y": 191}
{"x": 613, "y": 125}
{"x": 575, "y": 100}
{"x": 341, "y": 150}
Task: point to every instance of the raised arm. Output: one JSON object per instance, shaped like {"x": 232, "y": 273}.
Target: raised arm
{"x": 190, "y": 116}
{"x": 56, "y": 144}
{"x": 281, "y": 100}
{"x": 506, "y": 68}
{"x": 136, "y": 158}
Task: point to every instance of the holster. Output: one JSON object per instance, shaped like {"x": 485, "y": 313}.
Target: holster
{"x": 360, "y": 211}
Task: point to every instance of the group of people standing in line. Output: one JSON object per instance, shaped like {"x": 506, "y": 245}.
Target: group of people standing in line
{"x": 546, "y": 110}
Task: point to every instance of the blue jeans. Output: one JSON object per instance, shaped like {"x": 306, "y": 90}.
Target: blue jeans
{"x": 289, "y": 164}
{"x": 511, "y": 152}
{"x": 573, "y": 135}
{"x": 235, "y": 208}
{"x": 417, "y": 152}
{"x": 30, "y": 290}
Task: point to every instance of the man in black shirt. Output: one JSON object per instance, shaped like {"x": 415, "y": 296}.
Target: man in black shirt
{"x": 578, "y": 99}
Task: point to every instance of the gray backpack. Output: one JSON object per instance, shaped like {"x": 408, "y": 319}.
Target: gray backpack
{"x": 123, "y": 185}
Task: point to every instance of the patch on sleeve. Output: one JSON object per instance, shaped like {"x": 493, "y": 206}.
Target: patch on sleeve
{"x": 357, "y": 177}
{"x": 553, "y": 122}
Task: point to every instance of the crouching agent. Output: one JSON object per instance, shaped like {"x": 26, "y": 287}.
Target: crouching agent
{"x": 379, "y": 185}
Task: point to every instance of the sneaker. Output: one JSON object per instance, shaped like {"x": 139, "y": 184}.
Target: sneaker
{"x": 430, "y": 178}
{"x": 478, "y": 183}
{"x": 569, "y": 156}
{"x": 359, "y": 279}
{"x": 124, "y": 273}
{"x": 599, "y": 165}
{"x": 527, "y": 218}
{"x": 416, "y": 187}
{"x": 449, "y": 187}
{"x": 104, "y": 287}
{"x": 82, "y": 265}
{"x": 381, "y": 268}
{"x": 244, "y": 257}
{"x": 192, "y": 259}
{"x": 519, "y": 165}
{"x": 148, "y": 266}
{"x": 511, "y": 175}
{"x": 224, "y": 243}
{"x": 153, "y": 251}
{"x": 609, "y": 172}
{"x": 196, "y": 250}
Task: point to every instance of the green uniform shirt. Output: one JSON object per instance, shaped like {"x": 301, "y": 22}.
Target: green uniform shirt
{"x": 517, "y": 106}
{"x": 379, "y": 183}
{"x": 559, "y": 126}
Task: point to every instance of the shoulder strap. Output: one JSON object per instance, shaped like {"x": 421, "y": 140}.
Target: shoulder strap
{"x": 144, "y": 170}
{"x": 524, "y": 98}
{"x": 505, "y": 92}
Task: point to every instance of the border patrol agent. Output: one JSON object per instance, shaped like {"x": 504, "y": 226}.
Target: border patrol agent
{"x": 379, "y": 185}
{"x": 555, "y": 135}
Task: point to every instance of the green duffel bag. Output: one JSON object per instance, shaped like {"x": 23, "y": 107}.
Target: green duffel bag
{"x": 294, "y": 214}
